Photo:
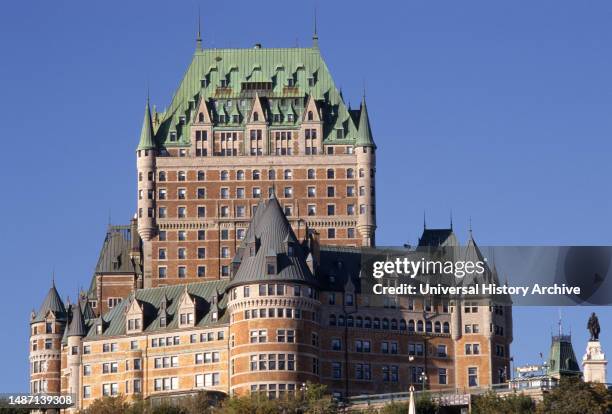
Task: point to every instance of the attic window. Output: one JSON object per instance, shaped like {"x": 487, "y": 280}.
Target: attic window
{"x": 235, "y": 119}
{"x": 182, "y": 120}
{"x": 270, "y": 268}
{"x": 222, "y": 118}
{"x": 163, "y": 321}
{"x": 201, "y": 117}
{"x": 255, "y": 116}
{"x": 290, "y": 117}
{"x": 277, "y": 118}
{"x": 290, "y": 82}
{"x": 310, "y": 116}
{"x": 173, "y": 136}
{"x": 339, "y": 133}
{"x": 224, "y": 83}
{"x": 311, "y": 81}
{"x": 204, "y": 83}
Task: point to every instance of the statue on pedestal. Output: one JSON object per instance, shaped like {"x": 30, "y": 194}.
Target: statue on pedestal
{"x": 593, "y": 327}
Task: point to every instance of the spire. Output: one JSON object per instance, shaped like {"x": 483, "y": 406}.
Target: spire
{"x": 424, "y": 221}
{"x": 77, "y": 323}
{"x": 199, "y": 35}
{"x": 146, "y": 135}
{"x": 364, "y": 133}
{"x": 315, "y": 36}
{"x": 451, "y": 219}
{"x": 470, "y": 228}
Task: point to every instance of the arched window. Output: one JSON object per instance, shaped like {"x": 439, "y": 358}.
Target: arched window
{"x": 428, "y": 327}
{"x": 310, "y": 116}
{"x": 288, "y": 174}
{"x": 385, "y": 323}
{"x": 256, "y": 175}
{"x": 332, "y": 320}
{"x": 376, "y": 323}
{"x": 437, "y": 327}
{"x": 240, "y": 175}
{"x": 224, "y": 175}
{"x": 330, "y": 173}
{"x": 410, "y": 325}
{"x": 367, "y": 322}
{"x": 255, "y": 116}
{"x": 402, "y": 325}
{"x": 446, "y": 328}
{"x": 420, "y": 326}
{"x": 201, "y": 117}
{"x": 349, "y": 321}
{"x": 271, "y": 175}
{"x": 358, "y": 322}
{"x": 394, "y": 324}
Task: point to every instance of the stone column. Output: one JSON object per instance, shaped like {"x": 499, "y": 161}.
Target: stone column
{"x": 594, "y": 364}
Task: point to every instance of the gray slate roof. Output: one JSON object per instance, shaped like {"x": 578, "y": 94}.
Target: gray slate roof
{"x": 150, "y": 299}
{"x": 270, "y": 232}
{"x": 437, "y": 237}
{"x": 77, "y": 322}
{"x": 52, "y": 302}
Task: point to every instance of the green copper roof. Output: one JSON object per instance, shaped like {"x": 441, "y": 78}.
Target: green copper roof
{"x": 562, "y": 360}
{"x": 364, "y": 135}
{"x": 146, "y": 135}
{"x": 304, "y": 66}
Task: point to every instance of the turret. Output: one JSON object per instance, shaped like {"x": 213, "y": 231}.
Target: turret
{"x": 273, "y": 298}
{"x": 146, "y": 178}
{"x": 46, "y": 330}
{"x": 75, "y": 332}
{"x": 366, "y": 165}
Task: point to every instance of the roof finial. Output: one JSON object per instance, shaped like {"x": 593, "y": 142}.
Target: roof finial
{"x": 470, "y": 227}
{"x": 560, "y": 323}
{"x": 199, "y": 35}
{"x": 424, "y": 221}
{"x": 315, "y": 35}
{"x": 53, "y": 277}
{"x": 451, "y": 219}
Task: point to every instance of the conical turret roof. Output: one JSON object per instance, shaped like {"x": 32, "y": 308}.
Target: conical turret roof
{"x": 146, "y": 135}
{"x": 364, "y": 132}
{"x": 53, "y": 303}
{"x": 272, "y": 234}
{"x": 77, "y": 322}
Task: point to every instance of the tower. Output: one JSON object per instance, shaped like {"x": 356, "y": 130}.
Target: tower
{"x": 75, "y": 332}
{"x": 146, "y": 178}
{"x": 46, "y": 330}
{"x": 366, "y": 166}
{"x": 273, "y": 300}
{"x": 146, "y": 191}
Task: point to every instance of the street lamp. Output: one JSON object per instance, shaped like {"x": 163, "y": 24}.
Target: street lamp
{"x": 423, "y": 379}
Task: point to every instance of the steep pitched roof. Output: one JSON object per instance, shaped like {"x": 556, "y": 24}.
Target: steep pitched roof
{"x": 269, "y": 229}
{"x": 437, "y": 237}
{"x": 151, "y": 299}
{"x": 53, "y": 303}
{"x": 364, "y": 134}
{"x": 562, "y": 359}
{"x": 274, "y": 65}
{"x": 77, "y": 322}
{"x": 146, "y": 134}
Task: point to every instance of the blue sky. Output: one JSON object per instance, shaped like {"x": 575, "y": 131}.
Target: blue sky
{"x": 497, "y": 110}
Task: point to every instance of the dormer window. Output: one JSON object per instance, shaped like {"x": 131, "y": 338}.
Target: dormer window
{"x": 255, "y": 116}
{"x": 173, "y": 136}
{"x": 310, "y": 116}
{"x": 99, "y": 329}
{"x": 270, "y": 268}
{"x": 290, "y": 118}
{"x": 235, "y": 119}
{"x": 182, "y": 120}
{"x": 201, "y": 117}
{"x": 311, "y": 82}
{"x": 203, "y": 83}
{"x": 187, "y": 318}
{"x": 290, "y": 82}
{"x": 277, "y": 118}
{"x": 163, "y": 321}
{"x": 215, "y": 316}
{"x": 222, "y": 119}
{"x": 290, "y": 250}
{"x": 339, "y": 133}
{"x": 224, "y": 83}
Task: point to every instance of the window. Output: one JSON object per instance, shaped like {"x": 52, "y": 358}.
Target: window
{"x": 331, "y": 209}
{"x": 311, "y": 174}
{"x": 87, "y": 391}
{"x": 201, "y": 175}
{"x": 182, "y": 271}
{"x": 336, "y": 370}
{"x": 473, "y": 377}
{"x": 181, "y": 212}
{"x": 442, "y": 351}
{"x": 224, "y": 175}
{"x": 330, "y": 173}
{"x": 331, "y": 233}
{"x": 336, "y": 344}
{"x": 258, "y": 336}
{"x": 86, "y": 370}
{"x": 256, "y": 174}
{"x": 288, "y": 192}
{"x": 331, "y": 191}
{"x": 442, "y": 376}
{"x": 312, "y": 209}
{"x": 161, "y": 272}
{"x": 162, "y": 212}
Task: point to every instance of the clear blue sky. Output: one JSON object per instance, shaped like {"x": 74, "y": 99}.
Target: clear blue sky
{"x": 501, "y": 111}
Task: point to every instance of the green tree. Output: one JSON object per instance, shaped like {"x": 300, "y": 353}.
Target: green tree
{"x": 108, "y": 405}
{"x": 573, "y": 396}
{"x": 424, "y": 404}
{"x": 492, "y": 403}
